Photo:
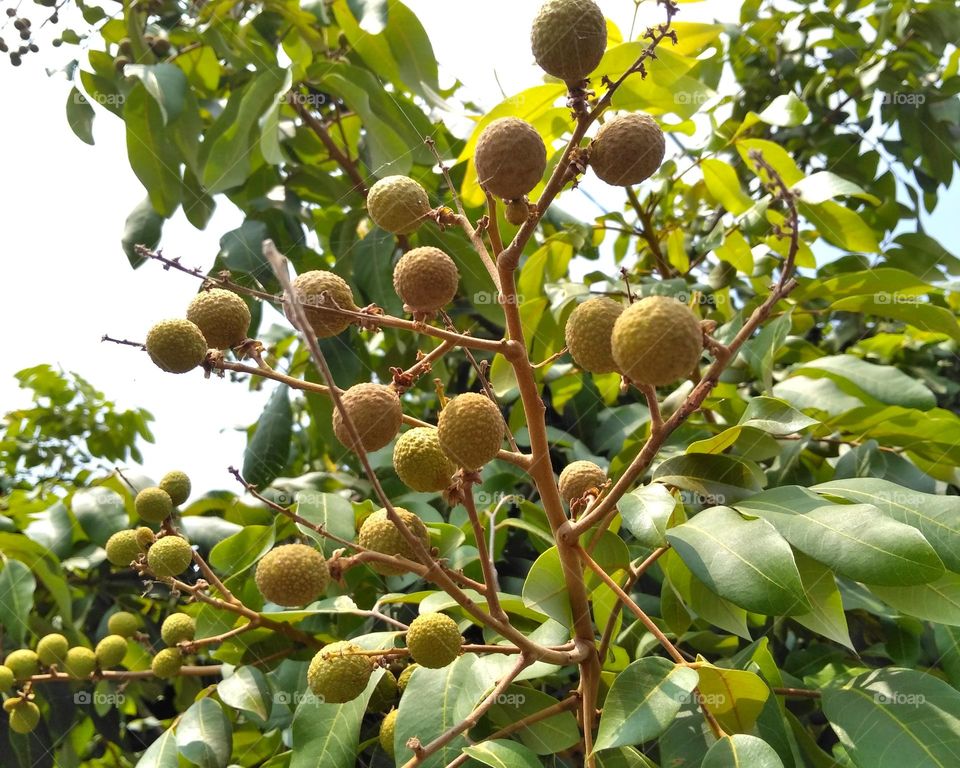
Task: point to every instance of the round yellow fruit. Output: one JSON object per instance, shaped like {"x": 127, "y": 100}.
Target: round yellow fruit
{"x": 578, "y": 477}
{"x": 384, "y": 695}
{"x": 292, "y": 575}
{"x": 510, "y": 158}
{"x": 375, "y": 412}
{"x": 338, "y": 673}
{"x": 420, "y": 462}
{"x": 52, "y": 649}
{"x": 177, "y": 485}
{"x": 657, "y": 341}
{"x": 434, "y": 640}
{"x": 153, "y": 504}
{"x": 7, "y": 678}
{"x": 470, "y": 430}
{"x": 425, "y": 279}
{"x": 627, "y": 150}
{"x": 80, "y": 662}
{"x": 319, "y": 288}
{"x": 167, "y": 663}
{"x": 23, "y": 663}
{"x": 378, "y": 533}
{"x": 176, "y": 346}
{"x": 110, "y": 651}
{"x": 24, "y": 717}
{"x": 398, "y": 204}
{"x": 178, "y": 627}
{"x": 405, "y": 676}
{"x": 569, "y": 38}
{"x": 123, "y": 623}
{"x": 387, "y": 729}
{"x": 222, "y": 317}
{"x": 588, "y": 332}
{"x": 170, "y": 556}
{"x": 123, "y": 548}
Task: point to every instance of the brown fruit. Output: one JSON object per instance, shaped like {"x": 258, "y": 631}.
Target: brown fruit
{"x": 657, "y": 341}
{"x": 510, "y": 158}
{"x": 425, "y": 279}
{"x": 517, "y": 212}
{"x": 627, "y": 150}
{"x": 374, "y": 410}
{"x": 569, "y": 38}
{"x": 587, "y": 334}
{"x": 578, "y": 477}
{"x": 319, "y": 288}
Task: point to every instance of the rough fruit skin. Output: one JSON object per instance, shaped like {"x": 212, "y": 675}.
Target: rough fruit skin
{"x": 510, "y": 158}
{"x": 578, "y": 477}
{"x": 153, "y": 504}
{"x": 7, "y": 678}
{"x": 145, "y": 537}
{"x": 123, "y": 548}
{"x": 627, "y": 150}
{"x": 420, "y": 462}
{"x": 110, "y": 651}
{"x": 170, "y": 556}
{"x": 517, "y": 212}
{"x": 177, "y": 484}
{"x": 338, "y": 676}
{"x": 380, "y": 534}
{"x": 24, "y": 717}
{"x": 23, "y": 663}
{"x": 80, "y": 663}
{"x": 222, "y": 317}
{"x": 587, "y": 334}
{"x": 167, "y": 663}
{"x": 657, "y": 341}
{"x": 52, "y": 649}
{"x": 292, "y": 575}
{"x": 405, "y": 677}
{"x": 398, "y": 204}
{"x": 384, "y": 695}
{"x": 569, "y": 38}
{"x": 308, "y": 289}
{"x": 374, "y": 410}
{"x": 387, "y": 728}
{"x": 179, "y": 626}
{"x": 176, "y": 346}
{"x": 425, "y": 279}
{"x": 470, "y": 430}
{"x": 433, "y": 640}
{"x": 123, "y": 623}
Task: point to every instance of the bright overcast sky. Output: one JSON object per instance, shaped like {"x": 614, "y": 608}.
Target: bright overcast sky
{"x": 63, "y": 204}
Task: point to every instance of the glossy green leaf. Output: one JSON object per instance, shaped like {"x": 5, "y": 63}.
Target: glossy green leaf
{"x": 734, "y": 696}
{"x": 503, "y": 754}
{"x": 238, "y": 552}
{"x": 741, "y": 749}
{"x": 17, "y": 585}
{"x": 544, "y": 737}
{"x": 717, "y": 477}
{"x": 267, "y": 451}
{"x": 824, "y": 185}
{"x": 246, "y": 689}
{"x": 143, "y": 227}
{"x": 100, "y": 512}
{"x": 545, "y": 589}
{"x": 907, "y": 309}
{"x": 936, "y": 601}
{"x": 841, "y": 227}
{"x": 724, "y": 186}
{"x": 152, "y": 154}
{"x": 330, "y": 510}
{"x": 80, "y": 116}
{"x": 826, "y": 616}
{"x": 882, "y": 383}
{"x": 204, "y": 734}
{"x": 162, "y": 753}
{"x": 646, "y": 512}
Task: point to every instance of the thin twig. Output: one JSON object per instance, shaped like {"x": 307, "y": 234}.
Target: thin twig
{"x": 486, "y": 557}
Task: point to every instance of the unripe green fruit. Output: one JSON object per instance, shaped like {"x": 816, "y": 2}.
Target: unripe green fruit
{"x": 177, "y": 627}
{"x": 578, "y": 477}
{"x": 384, "y": 695}
{"x": 167, "y": 663}
{"x": 470, "y": 430}
{"x": 176, "y": 346}
{"x": 425, "y": 279}
{"x": 110, "y": 651}
{"x": 657, "y": 341}
{"x": 510, "y": 158}
{"x": 398, "y": 204}
{"x": 145, "y": 537}
{"x": 627, "y": 150}
{"x": 378, "y": 533}
{"x": 222, "y": 317}
{"x": 52, "y": 649}
{"x": 292, "y": 575}
{"x": 153, "y": 504}
{"x": 123, "y": 623}
{"x": 319, "y": 288}
{"x": 170, "y": 556}
{"x": 177, "y": 484}
{"x": 123, "y": 548}
{"x": 569, "y": 38}
{"x": 405, "y": 676}
{"x": 24, "y": 717}
{"x": 337, "y": 675}
{"x": 80, "y": 662}
{"x": 375, "y": 412}
{"x": 23, "y": 663}
{"x": 434, "y": 640}
{"x": 420, "y": 462}
{"x": 387, "y": 729}
{"x": 588, "y": 331}
{"x": 7, "y": 678}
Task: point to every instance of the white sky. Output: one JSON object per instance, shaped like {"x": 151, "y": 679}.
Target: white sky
{"x": 63, "y": 204}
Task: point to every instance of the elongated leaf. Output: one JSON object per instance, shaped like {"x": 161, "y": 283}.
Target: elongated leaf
{"x": 701, "y": 600}
{"x": 744, "y": 561}
{"x": 919, "y": 314}
{"x": 204, "y": 734}
{"x": 163, "y": 753}
{"x": 331, "y": 511}
{"x": 100, "y": 512}
{"x": 741, "y": 749}
{"x": 826, "y": 615}
{"x": 17, "y": 585}
{"x": 645, "y": 513}
{"x": 623, "y": 757}
{"x": 883, "y": 383}
{"x": 544, "y": 737}
{"x": 503, "y": 754}
{"x": 735, "y": 696}
{"x": 80, "y": 116}
{"x": 267, "y": 451}
{"x": 937, "y": 601}
{"x": 152, "y": 153}
{"x": 246, "y": 689}
{"x": 890, "y": 718}
{"x": 824, "y": 185}
{"x": 142, "y": 227}
{"x": 720, "y": 478}
{"x": 724, "y": 186}
{"x": 545, "y": 589}
{"x": 775, "y": 416}
{"x": 238, "y": 552}
{"x": 643, "y": 701}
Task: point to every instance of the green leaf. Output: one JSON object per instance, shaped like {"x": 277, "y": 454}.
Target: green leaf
{"x": 143, "y": 227}
{"x": 867, "y": 281}
{"x": 785, "y": 110}
{"x": 153, "y": 156}
{"x": 162, "y": 753}
{"x": 716, "y": 477}
{"x": 545, "y": 737}
{"x": 826, "y": 615}
{"x": 701, "y": 600}
{"x": 166, "y": 83}
{"x": 775, "y": 416}
{"x": 937, "y": 601}
{"x": 238, "y": 552}
{"x": 724, "y": 185}
{"x": 205, "y": 735}
{"x": 741, "y": 749}
{"x": 268, "y": 449}
{"x": 643, "y": 701}
{"x": 100, "y": 512}
{"x": 623, "y": 757}
{"x": 17, "y": 585}
{"x": 503, "y": 754}
{"x": 907, "y": 309}
{"x": 736, "y": 250}
{"x": 775, "y": 155}
{"x": 889, "y": 718}
{"x": 824, "y": 185}
{"x": 330, "y": 510}
{"x": 646, "y": 512}
{"x": 760, "y": 352}
{"x": 246, "y": 689}
{"x": 545, "y": 590}
{"x": 869, "y": 381}
{"x": 745, "y": 561}
{"x": 412, "y": 51}
{"x": 328, "y": 734}
{"x": 242, "y": 248}
{"x": 841, "y": 227}
{"x": 734, "y": 696}
{"x": 947, "y": 640}
{"x": 80, "y": 116}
